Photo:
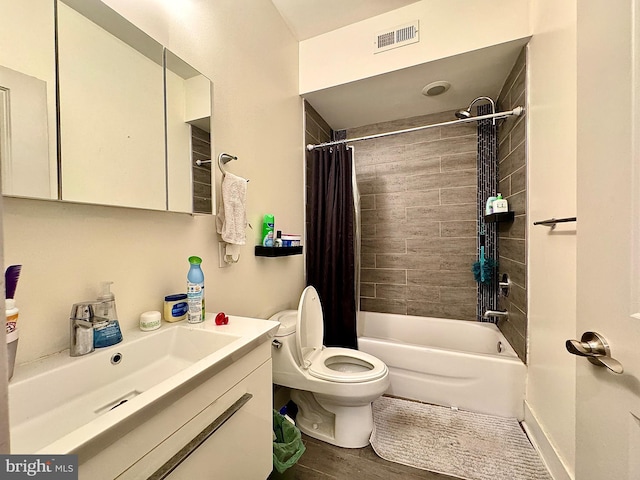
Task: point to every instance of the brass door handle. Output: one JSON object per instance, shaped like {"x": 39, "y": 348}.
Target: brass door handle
{"x": 596, "y": 348}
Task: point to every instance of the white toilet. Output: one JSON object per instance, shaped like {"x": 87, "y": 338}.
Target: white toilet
{"x": 332, "y": 387}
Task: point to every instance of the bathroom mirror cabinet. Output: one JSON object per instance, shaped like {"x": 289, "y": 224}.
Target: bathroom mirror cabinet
{"x": 189, "y": 97}
{"x": 28, "y": 128}
{"x": 126, "y": 107}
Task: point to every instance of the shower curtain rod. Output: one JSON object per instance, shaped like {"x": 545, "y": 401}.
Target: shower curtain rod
{"x": 516, "y": 111}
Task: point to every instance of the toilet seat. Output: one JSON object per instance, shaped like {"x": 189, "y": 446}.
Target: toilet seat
{"x": 344, "y": 365}
{"x": 334, "y": 364}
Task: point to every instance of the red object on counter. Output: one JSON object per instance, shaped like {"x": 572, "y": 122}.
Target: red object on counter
{"x": 222, "y": 319}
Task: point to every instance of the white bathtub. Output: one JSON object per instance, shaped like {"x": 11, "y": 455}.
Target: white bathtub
{"x": 468, "y": 365}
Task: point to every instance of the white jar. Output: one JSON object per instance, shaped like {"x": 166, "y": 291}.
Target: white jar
{"x": 500, "y": 205}
{"x": 150, "y": 321}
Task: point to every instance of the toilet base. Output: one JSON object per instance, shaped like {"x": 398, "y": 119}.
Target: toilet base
{"x": 324, "y": 418}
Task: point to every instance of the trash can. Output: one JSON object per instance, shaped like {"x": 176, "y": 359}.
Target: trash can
{"x": 287, "y": 445}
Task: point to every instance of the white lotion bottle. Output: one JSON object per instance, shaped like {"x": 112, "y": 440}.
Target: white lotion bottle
{"x": 500, "y": 205}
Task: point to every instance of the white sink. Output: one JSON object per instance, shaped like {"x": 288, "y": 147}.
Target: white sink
{"x": 59, "y": 403}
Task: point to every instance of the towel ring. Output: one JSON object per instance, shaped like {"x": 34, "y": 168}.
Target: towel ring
{"x": 224, "y": 158}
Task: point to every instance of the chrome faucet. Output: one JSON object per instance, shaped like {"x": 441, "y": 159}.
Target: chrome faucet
{"x": 496, "y": 314}
{"x": 81, "y": 329}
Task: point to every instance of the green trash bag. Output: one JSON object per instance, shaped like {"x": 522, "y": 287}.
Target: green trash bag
{"x": 288, "y": 446}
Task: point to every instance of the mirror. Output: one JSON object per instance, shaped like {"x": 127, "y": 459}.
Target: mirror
{"x": 111, "y": 97}
{"x": 113, "y": 142}
{"x": 28, "y": 99}
{"x": 188, "y": 107}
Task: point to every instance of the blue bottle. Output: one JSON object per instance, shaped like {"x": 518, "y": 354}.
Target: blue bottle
{"x": 106, "y": 328}
{"x": 195, "y": 291}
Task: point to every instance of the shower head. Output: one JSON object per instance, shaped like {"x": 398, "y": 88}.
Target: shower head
{"x": 463, "y": 114}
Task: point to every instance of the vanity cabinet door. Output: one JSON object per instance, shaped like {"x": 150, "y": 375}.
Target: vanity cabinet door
{"x": 241, "y": 448}
{"x": 237, "y": 449}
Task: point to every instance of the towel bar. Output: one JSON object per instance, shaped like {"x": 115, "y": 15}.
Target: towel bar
{"x": 552, "y": 221}
{"x": 222, "y": 159}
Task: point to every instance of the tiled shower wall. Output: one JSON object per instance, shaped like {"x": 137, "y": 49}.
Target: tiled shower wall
{"x": 316, "y": 131}
{"x": 512, "y": 171}
{"x": 418, "y": 197}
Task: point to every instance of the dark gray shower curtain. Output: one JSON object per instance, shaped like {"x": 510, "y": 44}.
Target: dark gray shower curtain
{"x": 330, "y": 242}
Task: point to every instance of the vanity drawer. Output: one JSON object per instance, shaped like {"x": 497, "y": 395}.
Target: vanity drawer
{"x": 239, "y": 448}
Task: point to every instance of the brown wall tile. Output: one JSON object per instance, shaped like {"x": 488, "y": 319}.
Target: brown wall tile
{"x": 458, "y": 229}
{"x": 461, "y": 161}
{"x": 367, "y": 289}
{"x": 388, "y": 276}
{"x": 383, "y": 305}
{"x": 424, "y": 190}
{"x": 512, "y": 171}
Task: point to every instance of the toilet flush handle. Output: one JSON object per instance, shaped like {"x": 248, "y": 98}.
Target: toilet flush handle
{"x": 277, "y": 344}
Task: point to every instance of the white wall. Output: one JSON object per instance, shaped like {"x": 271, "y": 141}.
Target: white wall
{"x": 447, "y": 27}
{"x": 67, "y": 249}
{"x": 552, "y": 253}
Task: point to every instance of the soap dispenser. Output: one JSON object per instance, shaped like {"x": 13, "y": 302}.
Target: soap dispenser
{"x": 106, "y": 328}
{"x": 500, "y": 204}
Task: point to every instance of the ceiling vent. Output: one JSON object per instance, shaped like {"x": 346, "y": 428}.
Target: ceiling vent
{"x": 396, "y": 37}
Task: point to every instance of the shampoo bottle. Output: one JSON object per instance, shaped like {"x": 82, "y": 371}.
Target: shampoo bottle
{"x": 106, "y": 328}
{"x": 489, "y": 207}
{"x": 500, "y": 205}
{"x": 195, "y": 291}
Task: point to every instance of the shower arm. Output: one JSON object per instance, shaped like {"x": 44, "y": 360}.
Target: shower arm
{"x": 479, "y": 99}
{"x": 493, "y": 105}
{"x": 517, "y": 111}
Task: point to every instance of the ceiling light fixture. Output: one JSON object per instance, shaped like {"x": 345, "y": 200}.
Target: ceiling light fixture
{"x": 436, "y": 88}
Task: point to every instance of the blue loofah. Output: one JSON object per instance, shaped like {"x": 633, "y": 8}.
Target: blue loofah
{"x": 484, "y": 268}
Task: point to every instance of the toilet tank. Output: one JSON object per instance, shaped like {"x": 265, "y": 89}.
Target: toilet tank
{"x": 284, "y": 361}
{"x": 288, "y": 320}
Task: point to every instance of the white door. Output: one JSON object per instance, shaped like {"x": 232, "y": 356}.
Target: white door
{"x": 608, "y": 276}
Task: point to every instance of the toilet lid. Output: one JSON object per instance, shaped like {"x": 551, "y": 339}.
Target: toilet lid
{"x": 344, "y": 365}
{"x": 309, "y": 328}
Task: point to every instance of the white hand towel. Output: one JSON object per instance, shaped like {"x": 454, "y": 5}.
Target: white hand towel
{"x": 231, "y": 221}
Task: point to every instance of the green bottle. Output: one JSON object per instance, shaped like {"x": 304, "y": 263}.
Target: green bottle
{"x": 267, "y": 230}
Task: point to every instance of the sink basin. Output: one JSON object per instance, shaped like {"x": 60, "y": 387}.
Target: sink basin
{"x": 59, "y": 403}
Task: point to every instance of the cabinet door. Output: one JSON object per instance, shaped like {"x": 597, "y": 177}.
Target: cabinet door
{"x": 241, "y": 448}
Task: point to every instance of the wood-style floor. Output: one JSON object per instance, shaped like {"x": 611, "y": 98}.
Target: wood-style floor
{"x": 322, "y": 461}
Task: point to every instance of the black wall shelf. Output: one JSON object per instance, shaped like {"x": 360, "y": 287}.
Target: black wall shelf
{"x": 277, "y": 251}
{"x": 499, "y": 217}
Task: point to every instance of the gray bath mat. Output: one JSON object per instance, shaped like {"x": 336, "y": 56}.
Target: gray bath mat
{"x": 462, "y": 444}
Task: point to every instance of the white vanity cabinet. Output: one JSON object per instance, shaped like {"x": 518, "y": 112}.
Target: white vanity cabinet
{"x": 235, "y": 403}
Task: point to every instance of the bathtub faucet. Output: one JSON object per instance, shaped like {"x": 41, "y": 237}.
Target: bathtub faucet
{"x": 496, "y": 314}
